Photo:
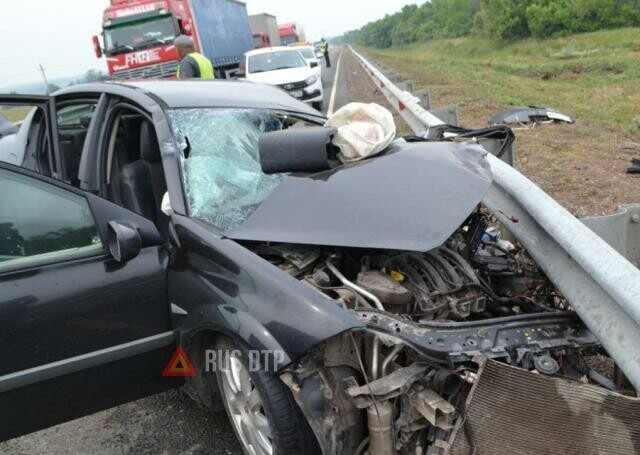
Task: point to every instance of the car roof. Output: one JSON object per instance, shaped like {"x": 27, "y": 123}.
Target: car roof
{"x": 200, "y": 93}
{"x": 268, "y": 50}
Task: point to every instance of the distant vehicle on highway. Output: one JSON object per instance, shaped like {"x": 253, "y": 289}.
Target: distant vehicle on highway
{"x": 287, "y": 68}
{"x": 138, "y": 35}
{"x": 265, "y": 30}
{"x": 310, "y": 56}
{"x": 291, "y": 33}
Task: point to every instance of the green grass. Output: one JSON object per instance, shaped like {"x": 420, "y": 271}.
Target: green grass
{"x": 15, "y": 113}
{"x": 594, "y": 76}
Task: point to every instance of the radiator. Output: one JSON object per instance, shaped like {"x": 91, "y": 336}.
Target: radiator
{"x": 511, "y": 411}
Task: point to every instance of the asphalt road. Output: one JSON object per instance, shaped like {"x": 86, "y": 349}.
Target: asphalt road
{"x": 334, "y": 99}
{"x": 169, "y": 423}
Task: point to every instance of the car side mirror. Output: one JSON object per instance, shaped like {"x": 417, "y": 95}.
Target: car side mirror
{"x": 124, "y": 241}
{"x": 314, "y": 64}
{"x": 124, "y": 232}
{"x": 187, "y": 27}
{"x": 304, "y": 150}
{"x": 96, "y": 46}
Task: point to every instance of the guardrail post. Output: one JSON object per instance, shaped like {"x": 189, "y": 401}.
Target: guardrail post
{"x": 448, "y": 114}
{"x": 406, "y": 86}
{"x": 425, "y": 98}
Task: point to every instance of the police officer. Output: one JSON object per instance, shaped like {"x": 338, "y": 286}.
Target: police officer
{"x": 324, "y": 48}
{"x": 193, "y": 65}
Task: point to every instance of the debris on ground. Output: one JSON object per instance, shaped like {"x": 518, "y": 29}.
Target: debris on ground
{"x": 529, "y": 115}
{"x": 635, "y": 166}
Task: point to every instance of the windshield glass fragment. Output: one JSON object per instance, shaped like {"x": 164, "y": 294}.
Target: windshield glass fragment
{"x": 223, "y": 178}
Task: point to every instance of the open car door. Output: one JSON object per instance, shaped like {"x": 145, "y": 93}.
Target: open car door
{"x": 84, "y": 318}
{"x": 33, "y": 145}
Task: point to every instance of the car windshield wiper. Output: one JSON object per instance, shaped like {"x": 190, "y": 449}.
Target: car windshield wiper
{"x": 117, "y": 47}
{"x": 151, "y": 41}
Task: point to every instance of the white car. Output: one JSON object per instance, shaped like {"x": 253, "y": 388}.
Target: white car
{"x": 310, "y": 56}
{"x": 286, "y": 68}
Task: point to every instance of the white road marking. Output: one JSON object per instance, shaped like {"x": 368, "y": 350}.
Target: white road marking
{"x": 334, "y": 89}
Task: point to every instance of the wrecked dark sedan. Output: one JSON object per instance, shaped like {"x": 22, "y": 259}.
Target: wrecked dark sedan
{"x": 204, "y": 234}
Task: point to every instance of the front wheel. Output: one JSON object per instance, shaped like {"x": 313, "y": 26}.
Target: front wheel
{"x": 261, "y": 409}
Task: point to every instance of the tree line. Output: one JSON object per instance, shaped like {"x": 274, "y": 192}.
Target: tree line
{"x": 502, "y": 20}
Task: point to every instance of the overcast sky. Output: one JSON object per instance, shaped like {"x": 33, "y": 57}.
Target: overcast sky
{"x": 58, "y": 34}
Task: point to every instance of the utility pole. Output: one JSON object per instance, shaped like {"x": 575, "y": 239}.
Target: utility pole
{"x": 44, "y": 77}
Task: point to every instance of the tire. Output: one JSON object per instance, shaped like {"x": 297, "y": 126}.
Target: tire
{"x": 288, "y": 431}
{"x": 317, "y": 105}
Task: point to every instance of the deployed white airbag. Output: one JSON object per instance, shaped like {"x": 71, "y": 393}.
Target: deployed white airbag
{"x": 363, "y": 130}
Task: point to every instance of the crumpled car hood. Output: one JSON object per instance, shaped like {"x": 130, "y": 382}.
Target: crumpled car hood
{"x": 412, "y": 198}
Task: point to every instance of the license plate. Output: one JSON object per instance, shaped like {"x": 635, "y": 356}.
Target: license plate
{"x": 297, "y": 93}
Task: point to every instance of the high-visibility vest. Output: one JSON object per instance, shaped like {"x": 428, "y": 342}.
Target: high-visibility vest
{"x": 324, "y": 46}
{"x": 204, "y": 66}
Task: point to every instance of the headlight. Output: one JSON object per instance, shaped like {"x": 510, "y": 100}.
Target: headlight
{"x": 311, "y": 80}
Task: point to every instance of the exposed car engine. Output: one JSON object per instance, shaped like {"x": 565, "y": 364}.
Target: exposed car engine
{"x": 435, "y": 321}
{"x": 476, "y": 275}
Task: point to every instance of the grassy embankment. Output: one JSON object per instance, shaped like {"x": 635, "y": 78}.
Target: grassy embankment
{"x": 593, "y": 77}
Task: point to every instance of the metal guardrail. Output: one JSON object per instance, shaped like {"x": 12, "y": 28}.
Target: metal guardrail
{"x": 601, "y": 284}
{"x": 620, "y": 230}
{"x": 421, "y": 120}
{"x": 408, "y": 106}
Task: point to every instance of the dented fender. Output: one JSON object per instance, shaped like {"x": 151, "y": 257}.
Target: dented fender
{"x": 220, "y": 286}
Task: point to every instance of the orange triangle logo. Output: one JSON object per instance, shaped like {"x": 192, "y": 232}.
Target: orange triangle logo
{"x": 179, "y": 365}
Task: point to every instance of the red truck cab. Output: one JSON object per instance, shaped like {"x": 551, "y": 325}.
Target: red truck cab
{"x": 289, "y": 34}
{"x": 138, "y": 37}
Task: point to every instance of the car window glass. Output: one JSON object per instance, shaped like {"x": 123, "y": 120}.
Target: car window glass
{"x": 7, "y": 118}
{"x": 41, "y": 223}
{"x": 223, "y": 177}
{"x": 73, "y": 123}
{"x": 307, "y": 52}
{"x": 273, "y": 61}
{"x": 23, "y": 138}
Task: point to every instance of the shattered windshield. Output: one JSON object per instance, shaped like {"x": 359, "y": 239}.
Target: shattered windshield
{"x": 223, "y": 178}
